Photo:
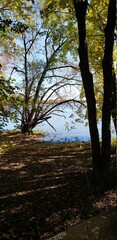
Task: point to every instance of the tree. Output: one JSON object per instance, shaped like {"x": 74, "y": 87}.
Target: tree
{"x": 43, "y": 78}
{"x": 109, "y": 78}
{"x": 15, "y": 18}
{"x": 101, "y": 158}
{"x": 6, "y": 89}
{"x": 10, "y": 27}
{"x": 9, "y": 15}
{"x": 99, "y": 17}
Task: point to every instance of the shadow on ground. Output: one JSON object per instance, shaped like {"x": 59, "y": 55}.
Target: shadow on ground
{"x": 45, "y": 189}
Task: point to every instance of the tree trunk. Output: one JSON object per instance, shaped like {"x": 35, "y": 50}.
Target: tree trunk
{"x": 27, "y": 124}
{"x": 26, "y": 128}
{"x": 87, "y": 78}
{"x": 113, "y": 111}
{"x": 108, "y": 76}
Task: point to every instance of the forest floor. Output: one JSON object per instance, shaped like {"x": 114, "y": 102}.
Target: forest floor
{"x": 46, "y": 188}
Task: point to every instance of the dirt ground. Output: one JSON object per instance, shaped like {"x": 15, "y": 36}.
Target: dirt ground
{"x": 46, "y": 188}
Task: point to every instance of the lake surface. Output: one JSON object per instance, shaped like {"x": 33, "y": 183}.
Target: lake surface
{"x": 67, "y": 130}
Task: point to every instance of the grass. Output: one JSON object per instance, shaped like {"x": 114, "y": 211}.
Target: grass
{"x": 45, "y": 187}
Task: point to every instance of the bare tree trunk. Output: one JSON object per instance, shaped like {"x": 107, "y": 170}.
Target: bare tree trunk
{"x": 108, "y": 76}
{"x": 87, "y": 78}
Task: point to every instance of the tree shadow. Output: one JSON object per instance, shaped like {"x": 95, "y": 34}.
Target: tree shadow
{"x": 44, "y": 190}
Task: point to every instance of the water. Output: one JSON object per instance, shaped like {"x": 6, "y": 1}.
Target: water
{"x": 66, "y": 129}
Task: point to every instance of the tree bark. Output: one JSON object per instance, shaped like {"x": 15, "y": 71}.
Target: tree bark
{"x": 87, "y": 78}
{"x": 107, "y": 66}
{"x": 113, "y": 111}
